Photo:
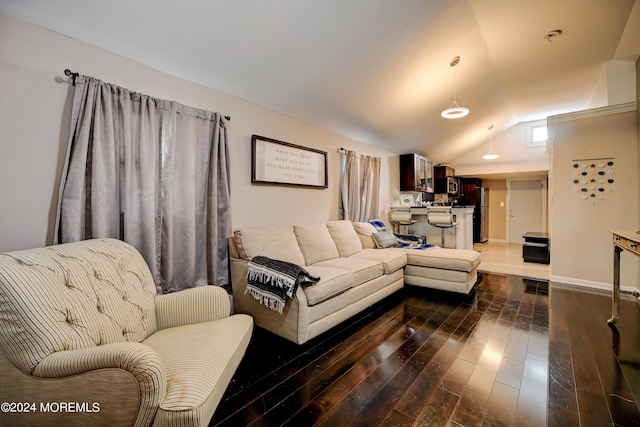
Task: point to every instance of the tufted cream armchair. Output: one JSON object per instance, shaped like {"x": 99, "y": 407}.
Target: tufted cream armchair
{"x": 85, "y": 341}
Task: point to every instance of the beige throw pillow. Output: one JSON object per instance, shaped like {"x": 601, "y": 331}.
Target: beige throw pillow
{"x": 365, "y": 232}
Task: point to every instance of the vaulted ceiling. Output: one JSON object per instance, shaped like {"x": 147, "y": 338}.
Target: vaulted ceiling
{"x": 374, "y": 70}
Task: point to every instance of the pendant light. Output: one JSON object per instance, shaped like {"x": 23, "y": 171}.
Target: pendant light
{"x": 455, "y": 111}
{"x": 491, "y": 154}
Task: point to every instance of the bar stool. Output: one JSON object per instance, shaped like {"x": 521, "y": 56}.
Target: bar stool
{"x": 401, "y": 215}
{"x": 441, "y": 217}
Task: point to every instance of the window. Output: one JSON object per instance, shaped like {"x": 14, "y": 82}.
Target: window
{"x": 537, "y": 134}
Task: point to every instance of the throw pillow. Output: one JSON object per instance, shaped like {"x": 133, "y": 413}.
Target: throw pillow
{"x": 384, "y": 239}
{"x": 365, "y": 230}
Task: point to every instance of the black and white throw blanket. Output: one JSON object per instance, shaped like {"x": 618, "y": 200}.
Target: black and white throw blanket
{"x": 270, "y": 281}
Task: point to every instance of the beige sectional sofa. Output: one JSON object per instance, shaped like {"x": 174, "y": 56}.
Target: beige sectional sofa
{"x": 354, "y": 273}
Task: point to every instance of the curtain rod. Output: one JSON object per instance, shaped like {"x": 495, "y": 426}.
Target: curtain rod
{"x": 68, "y": 72}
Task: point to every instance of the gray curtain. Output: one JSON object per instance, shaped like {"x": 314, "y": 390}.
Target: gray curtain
{"x": 360, "y": 186}
{"x": 153, "y": 173}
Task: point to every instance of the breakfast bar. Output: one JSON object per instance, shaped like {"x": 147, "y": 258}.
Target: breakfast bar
{"x": 460, "y": 236}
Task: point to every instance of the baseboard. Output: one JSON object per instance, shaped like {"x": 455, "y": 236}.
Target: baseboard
{"x": 498, "y": 241}
{"x": 590, "y": 284}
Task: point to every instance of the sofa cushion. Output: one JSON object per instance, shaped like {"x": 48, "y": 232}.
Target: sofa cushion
{"x": 365, "y": 231}
{"x": 440, "y": 274}
{"x": 391, "y": 260}
{"x": 353, "y": 300}
{"x": 199, "y": 360}
{"x": 345, "y": 237}
{"x": 274, "y": 242}
{"x": 445, "y": 285}
{"x": 447, "y": 259}
{"x": 362, "y": 270}
{"x": 333, "y": 281}
{"x": 315, "y": 242}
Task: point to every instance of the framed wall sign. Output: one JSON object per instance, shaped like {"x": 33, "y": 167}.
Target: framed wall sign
{"x": 277, "y": 162}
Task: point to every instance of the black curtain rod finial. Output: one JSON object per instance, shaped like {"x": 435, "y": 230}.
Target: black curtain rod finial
{"x": 68, "y": 72}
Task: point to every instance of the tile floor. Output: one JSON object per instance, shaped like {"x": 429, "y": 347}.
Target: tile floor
{"x": 506, "y": 258}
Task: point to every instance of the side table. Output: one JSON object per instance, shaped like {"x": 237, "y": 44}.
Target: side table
{"x": 536, "y": 247}
{"x": 627, "y": 240}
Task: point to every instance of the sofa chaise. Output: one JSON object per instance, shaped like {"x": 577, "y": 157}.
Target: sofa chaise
{"x": 354, "y": 273}
{"x": 86, "y": 341}
{"x": 452, "y": 270}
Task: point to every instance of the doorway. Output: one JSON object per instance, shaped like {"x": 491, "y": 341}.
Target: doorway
{"x": 526, "y": 207}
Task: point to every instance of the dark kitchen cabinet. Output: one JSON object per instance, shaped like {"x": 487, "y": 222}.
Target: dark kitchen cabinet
{"x": 443, "y": 171}
{"x": 416, "y": 173}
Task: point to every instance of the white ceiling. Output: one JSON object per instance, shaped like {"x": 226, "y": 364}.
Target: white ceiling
{"x": 374, "y": 70}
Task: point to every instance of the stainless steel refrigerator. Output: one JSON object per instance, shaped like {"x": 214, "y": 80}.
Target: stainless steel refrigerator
{"x": 480, "y": 215}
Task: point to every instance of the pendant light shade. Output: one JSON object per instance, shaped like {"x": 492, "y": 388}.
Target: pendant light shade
{"x": 491, "y": 154}
{"x": 455, "y": 111}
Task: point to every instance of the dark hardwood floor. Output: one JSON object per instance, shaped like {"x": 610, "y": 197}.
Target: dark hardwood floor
{"x": 515, "y": 352}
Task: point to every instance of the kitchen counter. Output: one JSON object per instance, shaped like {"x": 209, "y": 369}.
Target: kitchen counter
{"x": 459, "y": 237}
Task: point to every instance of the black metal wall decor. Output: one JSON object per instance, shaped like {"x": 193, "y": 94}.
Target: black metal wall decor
{"x": 593, "y": 178}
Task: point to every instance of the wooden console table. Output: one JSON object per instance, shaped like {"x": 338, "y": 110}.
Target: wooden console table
{"x": 627, "y": 240}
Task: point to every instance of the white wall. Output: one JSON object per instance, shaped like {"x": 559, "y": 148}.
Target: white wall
{"x": 511, "y": 145}
{"x": 617, "y": 84}
{"x": 581, "y": 243}
{"x": 34, "y": 116}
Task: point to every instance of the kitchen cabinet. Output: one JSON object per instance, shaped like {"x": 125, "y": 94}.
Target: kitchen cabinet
{"x": 444, "y": 171}
{"x": 444, "y": 176}
{"x": 416, "y": 173}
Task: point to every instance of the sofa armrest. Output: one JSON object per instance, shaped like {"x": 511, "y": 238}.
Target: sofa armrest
{"x": 139, "y": 360}
{"x": 292, "y": 324}
{"x": 195, "y": 305}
